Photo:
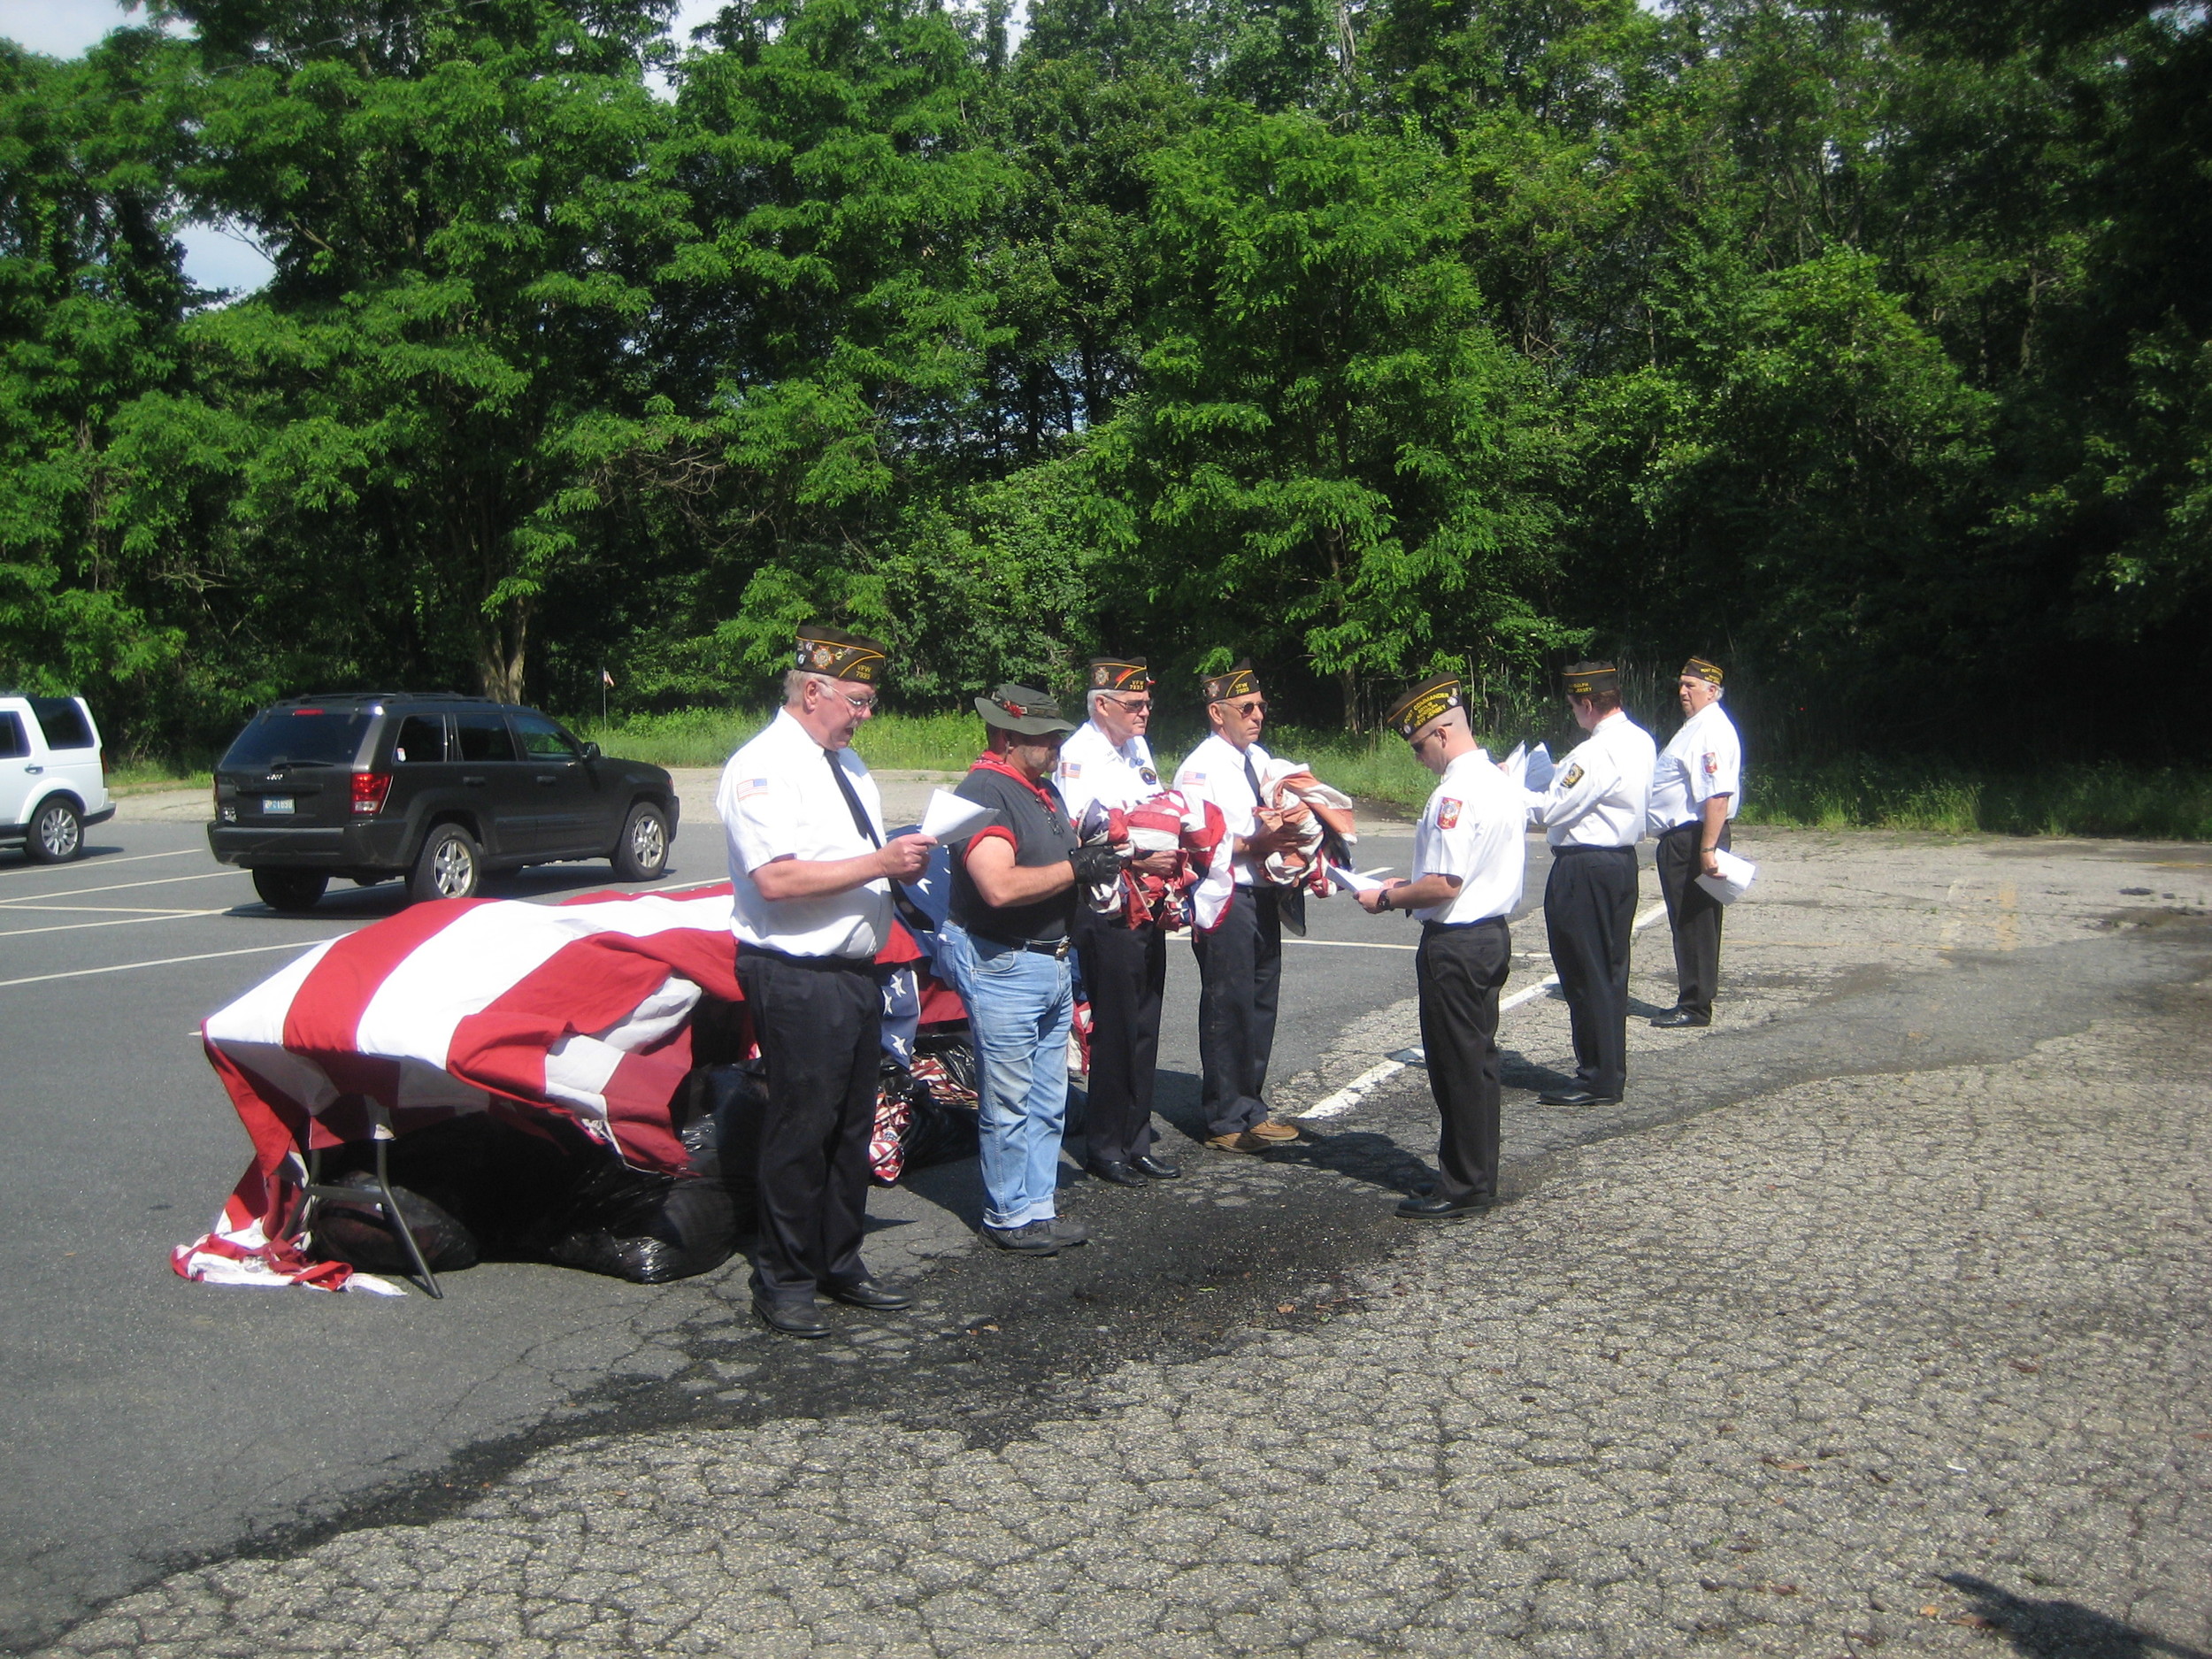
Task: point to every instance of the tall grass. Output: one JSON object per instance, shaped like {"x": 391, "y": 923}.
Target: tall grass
{"x": 2163, "y": 803}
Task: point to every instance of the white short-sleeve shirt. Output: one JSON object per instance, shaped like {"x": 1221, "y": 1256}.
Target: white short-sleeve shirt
{"x": 1472, "y": 828}
{"x": 1602, "y": 791}
{"x": 778, "y": 800}
{"x": 1703, "y": 759}
{"x": 1093, "y": 768}
{"x": 1215, "y": 770}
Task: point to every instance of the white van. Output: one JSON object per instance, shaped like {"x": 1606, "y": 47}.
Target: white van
{"x": 53, "y": 776}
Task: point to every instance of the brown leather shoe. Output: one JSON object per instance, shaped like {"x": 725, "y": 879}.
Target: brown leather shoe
{"x": 1243, "y": 1140}
{"x": 1272, "y": 1131}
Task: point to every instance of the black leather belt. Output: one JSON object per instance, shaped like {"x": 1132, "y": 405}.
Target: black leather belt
{"x": 1455, "y": 927}
{"x": 828, "y": 964}
{"x": 1575, "y": 847}
{"x": 1040, "y": 946}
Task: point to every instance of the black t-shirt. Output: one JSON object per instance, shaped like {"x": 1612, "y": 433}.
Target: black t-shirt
{"x": 1042, "y": 834}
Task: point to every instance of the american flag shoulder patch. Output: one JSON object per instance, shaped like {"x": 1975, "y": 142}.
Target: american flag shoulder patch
{"x": 747, "y": 788}
{"x": 1071, "y": 768}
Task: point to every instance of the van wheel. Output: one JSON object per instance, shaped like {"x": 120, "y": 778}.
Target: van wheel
{"x": 642, "y": 855}
{"x": 56, "y": 834}
{"x": 290, "y": 889}
{"x": 450, "y": 865}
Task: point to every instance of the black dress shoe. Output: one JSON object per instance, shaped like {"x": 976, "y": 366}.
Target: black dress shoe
{"x": 1575, "y": 1097}
{"x": 1680, "y": 1019}
{"x": 1436, "y": 1209}
{"x": 793, "y": 1318}
{"x": 1115, "y": 1174}
{"x": 865, "y": 1292}
{"x": 1159, "y": 1169}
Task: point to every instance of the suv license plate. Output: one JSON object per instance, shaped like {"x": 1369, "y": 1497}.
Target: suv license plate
{"x": 276, "y": 806}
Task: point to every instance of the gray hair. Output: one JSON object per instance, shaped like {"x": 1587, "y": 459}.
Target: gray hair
{"x": 795, "y": 684}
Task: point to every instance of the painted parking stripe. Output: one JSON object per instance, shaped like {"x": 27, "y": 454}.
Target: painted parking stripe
{"x": 111, "y": 910}
{"x": 119, "y": 887}
{"x": 1351, "y": 944}
{"x": 116, "y": 921}
{"x": 168, "y": 962}
{"x": 1368, "y": 1081}
{"x": 102, "y": 860}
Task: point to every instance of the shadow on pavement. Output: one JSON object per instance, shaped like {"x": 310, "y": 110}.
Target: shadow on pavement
{"x": 2061, "y": 1630}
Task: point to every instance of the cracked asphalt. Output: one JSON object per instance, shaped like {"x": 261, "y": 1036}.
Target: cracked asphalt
{"x": 1875, "y": 1316}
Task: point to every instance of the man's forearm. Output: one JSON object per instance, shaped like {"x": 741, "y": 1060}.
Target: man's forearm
{"x": 1716, "y": 820}
{"x": 815, "y": 877}
{"x": 1418, "y": 895}
{"x": 1002, "y": 882}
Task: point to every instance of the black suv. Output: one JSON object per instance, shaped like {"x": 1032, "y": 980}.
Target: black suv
{"x": 436, "y": 789}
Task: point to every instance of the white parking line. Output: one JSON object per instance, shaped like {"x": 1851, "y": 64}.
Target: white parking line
{"x": 138, "y": 858}
{"x": 1350, "y": 944}
{"x": 121, "y": 921}
{"x": 119, "y": 887}
{"x": 111, "y": 910}
{"x": 167, "y": 961}
{"x": 1368, "y": 1081}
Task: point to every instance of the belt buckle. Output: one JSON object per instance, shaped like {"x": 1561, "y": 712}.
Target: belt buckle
{"x": 1060, "y": 950}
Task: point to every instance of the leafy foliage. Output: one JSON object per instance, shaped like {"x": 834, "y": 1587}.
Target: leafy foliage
{"x": 1869, "y": 345}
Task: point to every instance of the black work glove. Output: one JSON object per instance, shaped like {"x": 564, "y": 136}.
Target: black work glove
{"x": 1095, "y": 864}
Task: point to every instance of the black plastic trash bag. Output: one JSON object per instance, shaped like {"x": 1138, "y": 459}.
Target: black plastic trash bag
{"x": 651, "y": 1229}
{"x": 361, "y": 1234}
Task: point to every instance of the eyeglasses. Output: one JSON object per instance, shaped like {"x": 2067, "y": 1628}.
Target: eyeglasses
{"x": 1247, "y": 710}
{"x": 861, "y": 705}
{"x": 1135, "y": 705}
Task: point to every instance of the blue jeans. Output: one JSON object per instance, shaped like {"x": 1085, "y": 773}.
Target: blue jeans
{"x": 1020, "y": 1005}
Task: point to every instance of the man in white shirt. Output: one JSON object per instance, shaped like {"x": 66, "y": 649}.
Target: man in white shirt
{"x": 1107, "y": 762}
{"x": 810, "y": 878}
{"x": 1594, "y": 815}
{"x": 1469, "y": 859}
{"x": 1240, "y": 959}
{"x": 1695, "y": 790}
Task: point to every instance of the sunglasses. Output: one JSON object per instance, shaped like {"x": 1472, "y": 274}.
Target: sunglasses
{"x": 1135, "y": 705}
{"x": 1247, "y": 710}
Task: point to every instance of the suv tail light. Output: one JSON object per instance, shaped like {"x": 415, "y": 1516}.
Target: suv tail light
{"x": 369, "y": 790}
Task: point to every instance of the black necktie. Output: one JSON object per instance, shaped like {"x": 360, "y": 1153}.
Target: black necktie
{"x": 901, "y": 900}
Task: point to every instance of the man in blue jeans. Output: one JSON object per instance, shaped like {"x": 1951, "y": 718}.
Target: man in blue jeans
{"x": 1005, "y": 941}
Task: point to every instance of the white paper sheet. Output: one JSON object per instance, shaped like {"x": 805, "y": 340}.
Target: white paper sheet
{"x": 1353, "y": 879}
{"x": 1734, "y": 878}
{"x": 948, "y": 819}
{"x": 1537, "y": 773}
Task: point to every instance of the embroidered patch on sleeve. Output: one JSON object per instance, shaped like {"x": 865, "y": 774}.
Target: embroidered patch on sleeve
{"x": 1071, "y": 768}
{"x": 1193, "y": 778}
{"x": 1447, "y": 814}
{"x": 1573, "y": 776}
{"x": 747, "y": 788}
{"x": 1712, "y": 762}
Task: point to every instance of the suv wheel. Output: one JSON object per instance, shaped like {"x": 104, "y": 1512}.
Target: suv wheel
{"x": 56, "y": 834}
{"x": 450, "y": 865}
{"x": 642, "y": 855}
{"x": 290, "y": 889}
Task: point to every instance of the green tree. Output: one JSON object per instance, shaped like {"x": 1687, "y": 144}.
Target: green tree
{"x": 1332, "y": 455}
{"x": 444, "y": 378}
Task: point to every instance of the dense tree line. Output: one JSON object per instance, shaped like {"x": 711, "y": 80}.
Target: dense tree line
{"x": 1868, "y": 345}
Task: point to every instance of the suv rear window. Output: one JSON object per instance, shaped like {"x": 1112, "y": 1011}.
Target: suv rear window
{"x": 421, "y": 738}
{"x": 11, "y": 744}
{"x": 63, "y": 722}
{"x": 484, "y": 737}
{"x": 300, "y": 737}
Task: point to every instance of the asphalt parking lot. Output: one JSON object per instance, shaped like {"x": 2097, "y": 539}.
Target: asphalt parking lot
{"x": 154, "y": 1425}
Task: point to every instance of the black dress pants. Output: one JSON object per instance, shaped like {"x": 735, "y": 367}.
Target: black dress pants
{"x": 1459, "y": 971}
{"x": 1590, "y": 912}
{"x": 1125, "y": 974}
{"x": 1694, "y": 916}
{"x": 820, "y": 1032}
{"x": 1240, "y": 969}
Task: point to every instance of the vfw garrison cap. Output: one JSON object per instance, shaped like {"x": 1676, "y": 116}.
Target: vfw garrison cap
{"x": 827, "y": 650}
{"x": 1118, "y": 673}
{"x": 1241, "y": 681}
{"x": 1591, "y": 679}
{"x": 1698, "y": 668}
{"x": 1024, "y": 709}
{"x": 1417, "y": 705}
